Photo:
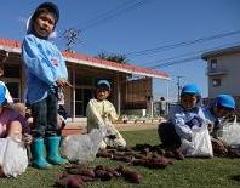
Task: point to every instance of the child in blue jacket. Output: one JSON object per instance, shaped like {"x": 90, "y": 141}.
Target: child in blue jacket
{"x": 218, "y": 112}
{"x": 45, "y": 72}
{"x": 182, "y": 119}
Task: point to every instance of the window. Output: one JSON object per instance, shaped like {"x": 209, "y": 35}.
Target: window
{"x": 216, "y": 82}
{"x": 213, "y": 63}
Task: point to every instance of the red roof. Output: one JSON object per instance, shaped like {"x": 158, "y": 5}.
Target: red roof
{"x": 89, "y": 60}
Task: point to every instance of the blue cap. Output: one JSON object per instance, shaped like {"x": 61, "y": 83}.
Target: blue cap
{"x": 226, "y": 101}
{"x": 191, "y": 89}
{"x": 2, "y": 95}
{"x": 103, "y": 83}
{"x": 51, "y": 6}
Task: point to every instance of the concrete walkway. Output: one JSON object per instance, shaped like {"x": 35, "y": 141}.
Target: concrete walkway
{"x": 76, "y": 128}
{"x": 136, "y": 127}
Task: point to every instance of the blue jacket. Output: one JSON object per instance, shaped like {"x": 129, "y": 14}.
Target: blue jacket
{"x": 216, "y": 122}
{"x": 186, "y": 120}
{"x": 44, "y": 65}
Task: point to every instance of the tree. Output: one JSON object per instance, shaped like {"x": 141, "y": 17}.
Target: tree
{"x": 114, "y": 58}
{"x": 71, "y": 37}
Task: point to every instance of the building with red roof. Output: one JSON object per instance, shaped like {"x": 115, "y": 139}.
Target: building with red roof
{"x": 84, "y": 71}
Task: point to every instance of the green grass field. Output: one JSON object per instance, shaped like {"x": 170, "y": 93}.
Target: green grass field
{"x": 188, "y": 173}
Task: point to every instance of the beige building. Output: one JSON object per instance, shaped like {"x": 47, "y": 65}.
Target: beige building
{"x": 223, "y": 71}
{"x": 84, "y": 71}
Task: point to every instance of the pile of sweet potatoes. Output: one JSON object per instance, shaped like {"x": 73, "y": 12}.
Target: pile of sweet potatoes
{"x": 141, "y": 155}
{"x": 75, "y": 176}
{"x": 223, "y": 150}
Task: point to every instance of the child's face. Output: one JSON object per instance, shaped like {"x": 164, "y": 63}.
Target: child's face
{"x": 221, "y": 112}
{"x": 188, "y": 101}
{"x": 44, "y": 24}
{"x": 102, "y": 94}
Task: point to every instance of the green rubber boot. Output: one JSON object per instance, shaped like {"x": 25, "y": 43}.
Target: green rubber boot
{"x": 39, "y": 156}
{"x": 53, "y": 155}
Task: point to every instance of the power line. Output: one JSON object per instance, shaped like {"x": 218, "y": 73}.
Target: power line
{"x": 109, "y": 12}
{"x": 103, "y": 14}
{"x": 184, "y": 60}
{"x": 186, "y": 55}
{"x": 180, "y": 44}
{"x": 109, "y": 15}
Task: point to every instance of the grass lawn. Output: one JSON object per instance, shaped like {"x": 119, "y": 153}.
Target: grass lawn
{"x": 188, "y": 173}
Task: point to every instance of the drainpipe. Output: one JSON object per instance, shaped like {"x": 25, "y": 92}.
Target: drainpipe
{"x": 74, "y": 97}
{"x": 119, "y": 94}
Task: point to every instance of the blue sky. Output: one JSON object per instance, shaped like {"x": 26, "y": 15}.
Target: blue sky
{"x": 154, "y": 23}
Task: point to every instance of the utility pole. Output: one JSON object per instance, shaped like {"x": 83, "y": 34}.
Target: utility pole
{"x": 179, "y": 87}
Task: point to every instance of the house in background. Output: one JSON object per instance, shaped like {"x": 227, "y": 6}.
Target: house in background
{"x": 84, "y": 71}
{"x": 223, "y": 71}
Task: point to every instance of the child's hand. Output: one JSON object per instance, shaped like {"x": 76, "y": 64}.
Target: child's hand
{"x": 196, "y": 121}
{"x": 68, "y": 84}
{"x": 60, "y": 83}
{"x": 54, "y": 61}
{"x": 63, "y": 83}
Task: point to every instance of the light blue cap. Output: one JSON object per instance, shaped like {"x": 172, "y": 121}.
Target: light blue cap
{"x": 103, "y": 83}
{"x": 191, "y": 89}
{"x": 226, "y": 101}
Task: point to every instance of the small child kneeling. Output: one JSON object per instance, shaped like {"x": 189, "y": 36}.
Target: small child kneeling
{"x": 13, "y": 126}
{"x": 101, "y": 112}
{"x": 182, "y": 120}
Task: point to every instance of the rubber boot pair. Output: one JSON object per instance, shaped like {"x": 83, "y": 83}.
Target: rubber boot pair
{"x": 40, "y": 159}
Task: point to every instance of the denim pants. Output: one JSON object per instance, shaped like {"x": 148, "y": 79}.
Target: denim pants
{"x": 45, "y": 116}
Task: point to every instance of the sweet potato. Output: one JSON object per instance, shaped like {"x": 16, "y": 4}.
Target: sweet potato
{"x": 131, "y": 176}
{"x": 139, "y": 156}
{"x": 218, "y": 147}
{"x": 88, "y": 179}
{"x": 126, "y": 149}
{"x": 99, "y": 167}
{"x": 138, "y": 162}
{"x": 105, "y": 155}
{"x": 159, "y": 163}
{"x": 111, "y": 151}
{"x": 104, "y": 175}
{"x": 112, "y": 171}
{"x": 126, "y": 159}
{"x": 70, "y": 181}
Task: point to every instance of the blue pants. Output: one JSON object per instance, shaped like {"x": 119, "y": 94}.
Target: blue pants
{"x": 45, "y": 116}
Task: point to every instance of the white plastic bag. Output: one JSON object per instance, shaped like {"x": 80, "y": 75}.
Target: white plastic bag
{"x": 83, "y": 147}
{"x": 200, "y": 146}
{"x": 14, "y": 158}
{"x": 3, "y": 145}
{"x": 231, "y": 133}
{"x": 118, "y": 141}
